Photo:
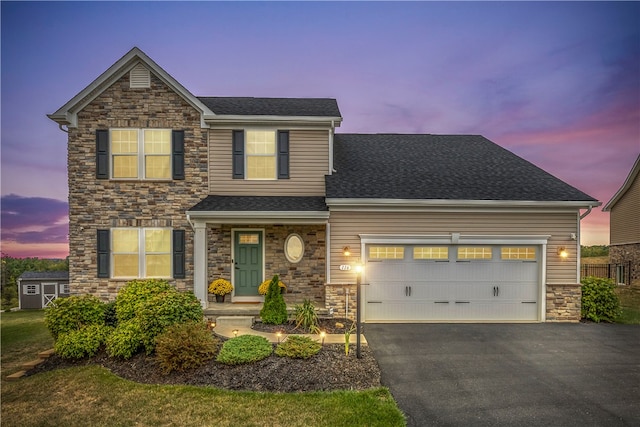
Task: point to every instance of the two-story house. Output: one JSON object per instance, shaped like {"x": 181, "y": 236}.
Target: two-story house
{"x": 166, "y": 184}
{"x": 624, "y": 225}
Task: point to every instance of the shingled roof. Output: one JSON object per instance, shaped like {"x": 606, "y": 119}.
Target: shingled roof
{"x": 444, "y": 167}
{"x": 45, "y": 275}
{"x": 260, "y": 204}
{"x": 307, "y": 107}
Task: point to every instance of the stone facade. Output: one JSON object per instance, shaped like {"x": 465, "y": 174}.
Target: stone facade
{"x": 304, "y": 280}
{"x": 623, "y": 254}
{"x": 336, "y": 297}
{"x": 563, "y": 303}
{"x": 102, "y": 204}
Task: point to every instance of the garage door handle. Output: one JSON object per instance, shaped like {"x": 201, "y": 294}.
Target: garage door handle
{"x": 496, "y": 291}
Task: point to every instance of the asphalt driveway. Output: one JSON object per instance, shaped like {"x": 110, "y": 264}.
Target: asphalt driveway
{"x": 547, "y": 374}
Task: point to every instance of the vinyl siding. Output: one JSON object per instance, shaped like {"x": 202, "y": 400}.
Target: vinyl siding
{"x": 346, "y": 226}
{"x": 624, "y": 222}
{"x": 308, "y": 165}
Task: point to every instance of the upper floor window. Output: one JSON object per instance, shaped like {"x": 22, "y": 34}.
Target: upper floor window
{"x": 141, "y": 153}
{"x": 260, "y": 154}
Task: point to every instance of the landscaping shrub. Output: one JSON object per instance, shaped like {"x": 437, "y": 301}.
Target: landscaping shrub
{"x": 84, "y": 342}
{"x": 298, "y": 347}
{"x": 274, "y": 310}
{"x": 166, "y": 309}
{"x": 73, "y": 313}
{"x": 110, "y": 318}
{"x": 125, "y": 340}
{"x": 185, "y": 346}
{"x": 306, "y": 317}
{"x": 244, "y": 349}
{"x": 599, "y": 299}
{"x": 135, "y": 293}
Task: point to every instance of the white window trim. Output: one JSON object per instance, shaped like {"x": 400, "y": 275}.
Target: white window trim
{"x": 142, "y": 273}
{"x": 286, "y": 245}
{"x": 142, "y": 173}
{"x": 28, "y": 287}
{"x": 275, "y": 154}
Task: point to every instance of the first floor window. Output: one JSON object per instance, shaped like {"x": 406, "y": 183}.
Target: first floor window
{"x": 141, "y": 252}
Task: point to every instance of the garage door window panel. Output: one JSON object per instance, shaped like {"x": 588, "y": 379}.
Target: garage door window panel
{"x": 431, "y": 252}
{"x": 474, "y": 253}
{"x": 522, "y": 253}
{"x": 386, "y": 252}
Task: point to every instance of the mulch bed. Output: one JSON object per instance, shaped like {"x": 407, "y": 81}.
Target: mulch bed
{"x": 330, "y": 369}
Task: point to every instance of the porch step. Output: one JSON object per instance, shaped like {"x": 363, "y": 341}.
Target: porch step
{"x": 16, "y": 376}
{"x": 235, "y": 321}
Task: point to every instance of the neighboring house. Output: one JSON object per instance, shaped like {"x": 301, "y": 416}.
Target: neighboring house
{"x": 36, "y": 289}
{"x": 166, "y": 184}
{"x": 624, "y": 223}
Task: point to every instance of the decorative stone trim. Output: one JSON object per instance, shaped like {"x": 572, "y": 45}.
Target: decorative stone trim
{"x": 336, "y": 298}
{"x": 564, "y": 302}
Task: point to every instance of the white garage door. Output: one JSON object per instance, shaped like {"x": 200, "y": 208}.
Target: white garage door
{"x": 452, "y": 283}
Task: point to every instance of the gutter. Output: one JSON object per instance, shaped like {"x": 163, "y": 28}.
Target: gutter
{"x": 587, "y": 212}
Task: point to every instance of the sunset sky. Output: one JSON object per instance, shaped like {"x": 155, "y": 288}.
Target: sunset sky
{"x": 556, "y": 83}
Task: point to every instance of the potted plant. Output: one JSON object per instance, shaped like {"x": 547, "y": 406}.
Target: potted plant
{"x": 264, "y": 287}
{"x": 220, "y": 287}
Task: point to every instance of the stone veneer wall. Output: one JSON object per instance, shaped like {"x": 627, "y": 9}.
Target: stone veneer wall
{"x": 100, "y": 204}
{"x": 304, "y": 280}
{"x": 336, "y": 299}
{"x": 564, "y": 302}
{"x": 619, "y": 254}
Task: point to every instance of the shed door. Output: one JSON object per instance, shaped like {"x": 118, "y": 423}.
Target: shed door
{"x": 49, "y": 293}
{"x": 452, "y": 283}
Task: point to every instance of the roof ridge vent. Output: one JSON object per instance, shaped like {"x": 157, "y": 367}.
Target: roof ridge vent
{"x": 139, "y": 77}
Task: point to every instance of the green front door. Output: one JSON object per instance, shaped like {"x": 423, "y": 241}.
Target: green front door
{"x": 247, "y": 260}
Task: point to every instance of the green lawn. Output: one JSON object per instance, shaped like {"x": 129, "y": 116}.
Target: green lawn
{"x": 630, "y": 303}
{"x": 91, "y": 395}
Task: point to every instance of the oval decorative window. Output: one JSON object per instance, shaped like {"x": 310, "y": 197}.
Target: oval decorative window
{"x": 294, "y": 248}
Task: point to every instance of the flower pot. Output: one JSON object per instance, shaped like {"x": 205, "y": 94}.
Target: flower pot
{"x": 220, "y": 298}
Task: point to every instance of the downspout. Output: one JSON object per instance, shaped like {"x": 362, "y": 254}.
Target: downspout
{"x": 190, "y": 223}
{"x": 331, "y": 130}
{"x": 587, "y": 212}
{"x": 60, "y": 126}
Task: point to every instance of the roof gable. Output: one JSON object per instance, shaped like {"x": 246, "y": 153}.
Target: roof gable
{"x": 633, "y": 174}
{"x": 67, "y": 114}
{"x": 439, "y": 167}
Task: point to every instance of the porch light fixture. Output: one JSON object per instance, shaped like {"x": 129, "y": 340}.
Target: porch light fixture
{"x": 562, "y": 252}
{"x": 346, "y": 251}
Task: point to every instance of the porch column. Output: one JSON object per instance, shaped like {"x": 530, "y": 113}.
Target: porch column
{"x": 200, "y": 262}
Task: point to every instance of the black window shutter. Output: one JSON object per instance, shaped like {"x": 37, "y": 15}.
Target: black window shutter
{"x": 103, "y": 253}
{"x": 102, "y": 154}
{"x": 238, "y": 154}
{"x": 177, "y": 154}
{"x": 283, "y": 154}
{"x": 178, "y": 254}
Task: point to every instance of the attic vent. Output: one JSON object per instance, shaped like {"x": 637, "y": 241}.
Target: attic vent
{"x": 139, "y": 77}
